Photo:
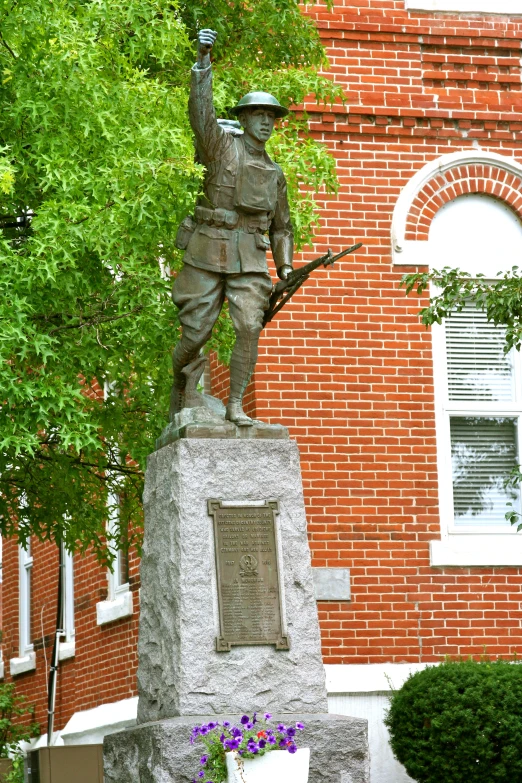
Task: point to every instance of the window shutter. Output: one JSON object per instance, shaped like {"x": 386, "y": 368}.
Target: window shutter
{"x": 483, "y": 452}
{"x": 478, "y": 369}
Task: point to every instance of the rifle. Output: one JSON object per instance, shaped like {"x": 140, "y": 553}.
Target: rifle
{"x": 287, "y": 288}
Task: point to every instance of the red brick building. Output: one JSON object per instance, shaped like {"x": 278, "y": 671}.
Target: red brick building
{"x": 405, "y": 434}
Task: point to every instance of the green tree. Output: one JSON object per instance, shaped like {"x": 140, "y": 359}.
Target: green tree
{"x": 96, "y": 172}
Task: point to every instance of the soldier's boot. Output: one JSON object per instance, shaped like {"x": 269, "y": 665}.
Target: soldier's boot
{"x": 184, "y": 353}
{"x": 242, "y": 364}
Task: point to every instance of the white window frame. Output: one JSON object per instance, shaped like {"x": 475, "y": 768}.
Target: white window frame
{"x": 26, "y": 572}
{"x": 27, "y": 658}
{"x": 67, "y": 647}
{"x": 499, "y": 7}
{"x": 469, "y": 546}
{"x": 119, "y": 601}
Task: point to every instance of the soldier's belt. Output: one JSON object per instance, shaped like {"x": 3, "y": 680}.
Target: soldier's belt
{"x": 227, "y": 218}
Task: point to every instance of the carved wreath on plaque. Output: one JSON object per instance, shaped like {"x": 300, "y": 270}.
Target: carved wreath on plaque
{"x": 248, "y": 581}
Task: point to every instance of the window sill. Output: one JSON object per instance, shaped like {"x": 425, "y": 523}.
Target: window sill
{"x": 466, "y": 6}
{"x": 109, "y": 611}
{"x": 26, "y": 663}
{"x": 477, "y": 550}
{"x": 66, "y": 651}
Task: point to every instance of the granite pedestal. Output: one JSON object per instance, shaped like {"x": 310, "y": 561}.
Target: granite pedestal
{"x": 181, "y": 676}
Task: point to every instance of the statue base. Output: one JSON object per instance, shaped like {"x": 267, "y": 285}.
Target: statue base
{"x": 161, "y": 751}
{"x": 198, "y": 501}
{"x": 201, "y": 422}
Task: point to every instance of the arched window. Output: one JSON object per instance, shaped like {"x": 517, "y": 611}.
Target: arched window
{"x": 478, "y": 388}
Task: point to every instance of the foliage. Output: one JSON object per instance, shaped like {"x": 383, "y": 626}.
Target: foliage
{"x": 96, "y": 172}
{"x": 460, "y": 722}
{"x": 16, "y": 774}
{"x": 501, "y": 300}
{"x": 252, "y": 738}
{"x": 12, "y": 731}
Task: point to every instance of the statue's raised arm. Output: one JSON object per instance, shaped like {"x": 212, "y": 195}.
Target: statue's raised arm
{"x": 210, "y": 137}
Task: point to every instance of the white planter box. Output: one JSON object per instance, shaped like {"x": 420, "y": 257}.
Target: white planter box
{"x": 278, "y": 766}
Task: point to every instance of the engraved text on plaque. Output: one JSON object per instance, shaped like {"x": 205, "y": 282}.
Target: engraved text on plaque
{"x": 249, "y": 592}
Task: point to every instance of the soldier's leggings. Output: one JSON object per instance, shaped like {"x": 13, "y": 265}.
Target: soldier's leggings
{"x": 199, "y": 295}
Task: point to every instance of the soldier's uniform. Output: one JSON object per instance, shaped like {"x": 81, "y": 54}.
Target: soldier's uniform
{"x": 243, "y": 212}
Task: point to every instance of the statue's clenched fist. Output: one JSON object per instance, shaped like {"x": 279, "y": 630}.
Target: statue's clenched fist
{"x": 206, "y": 40}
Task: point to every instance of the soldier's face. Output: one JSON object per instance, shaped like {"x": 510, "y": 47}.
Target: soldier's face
{"x": 258, "y": 123}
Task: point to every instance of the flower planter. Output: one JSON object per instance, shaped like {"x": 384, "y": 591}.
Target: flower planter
{"x": 278, "y": 766}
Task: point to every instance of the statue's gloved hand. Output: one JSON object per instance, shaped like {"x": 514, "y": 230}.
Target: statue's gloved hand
{"x": 284, "y": 271}
{"x": 206, "y": 40}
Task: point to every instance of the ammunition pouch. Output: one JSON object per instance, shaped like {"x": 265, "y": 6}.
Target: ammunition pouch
{"x": 185, "y": 231}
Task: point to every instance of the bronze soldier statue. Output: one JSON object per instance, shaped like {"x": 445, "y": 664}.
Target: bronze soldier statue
{"x": 243, "y": 211}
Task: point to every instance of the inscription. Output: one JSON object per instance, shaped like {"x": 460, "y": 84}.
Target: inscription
{"x": 248, "y": 575}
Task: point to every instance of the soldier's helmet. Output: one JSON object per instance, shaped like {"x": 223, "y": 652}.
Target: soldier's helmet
{"x": 260, "y": 100}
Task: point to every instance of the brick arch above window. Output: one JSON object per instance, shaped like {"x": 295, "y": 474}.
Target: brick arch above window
{"x": 441, "y": 181}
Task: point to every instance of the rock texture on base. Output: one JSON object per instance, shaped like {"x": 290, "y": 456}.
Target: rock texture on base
{"x": 180, "y": 672}
{"x": 161, "y": 752}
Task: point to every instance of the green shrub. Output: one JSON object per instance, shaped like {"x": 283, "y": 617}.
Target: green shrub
{"x": 14, "y": 729}
{"x": 460, "y": 722}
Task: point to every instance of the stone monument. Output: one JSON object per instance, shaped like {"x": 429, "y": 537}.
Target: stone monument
{"x": 228, "y": 617}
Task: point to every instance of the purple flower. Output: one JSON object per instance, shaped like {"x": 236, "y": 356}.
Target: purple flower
{"x": 268, "y": 716}
{"x": 203, "y": 730}
{"x": 212, "y": 725}
{"x": 254, "y": 719}
{"x": 272, "y": 740}
{"x": 226, "y": 724}
{"x": 250, "y": 725}
{"x": 299, "y": 726}
{"x": 201, "y": 774}
{"x": 290, "y": 732}
{"x": 203, "y": 759}
{"x": 245, "y": 719}
{"x": 281, "y": 727}
{"x": 292, "y": 748}
{"x": 262, "y": 743}
{"x": 283, "y": 743}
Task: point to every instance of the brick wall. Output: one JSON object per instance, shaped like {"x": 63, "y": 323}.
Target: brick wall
{"x": 104, "y": 666}
{"x": 348, "y": 367}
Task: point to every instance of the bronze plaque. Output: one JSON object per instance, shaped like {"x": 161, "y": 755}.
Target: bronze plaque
{"x": 249, "y": 592}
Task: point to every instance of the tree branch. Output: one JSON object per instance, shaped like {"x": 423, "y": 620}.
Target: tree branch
{"x": 108, "y": 205}
{"x": 4, "y": 43}
{"x": 97, "y": 321}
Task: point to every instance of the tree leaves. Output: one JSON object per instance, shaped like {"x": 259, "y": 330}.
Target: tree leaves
{"x": 96, "y": 172}
{"x": 501, "y": 300}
